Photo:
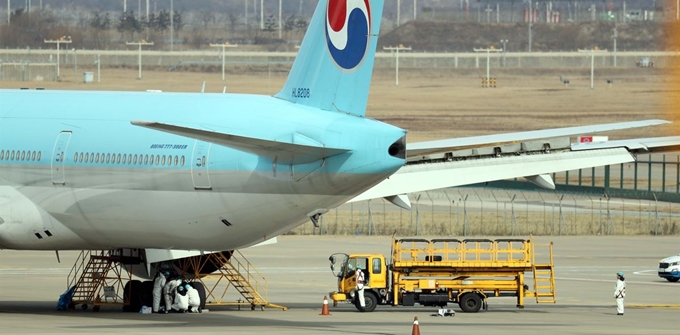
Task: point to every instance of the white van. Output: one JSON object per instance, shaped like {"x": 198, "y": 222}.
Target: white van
{"x": 669, "y": 268}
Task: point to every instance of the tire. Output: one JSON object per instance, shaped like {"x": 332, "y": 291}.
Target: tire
{"x": 371, "y": 301}
{"x": 198, "y": 286}
{"x": 470, "y": 302}
{"x": 147, "y": 293}
{"x": 672, "y": 279}
{"x": 132, "y": 296}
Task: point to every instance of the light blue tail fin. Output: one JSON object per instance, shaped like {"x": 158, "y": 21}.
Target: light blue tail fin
{"x": 333, "y": 69}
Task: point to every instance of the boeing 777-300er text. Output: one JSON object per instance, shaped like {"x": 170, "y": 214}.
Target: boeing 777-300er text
{"x": 175, "y": 174}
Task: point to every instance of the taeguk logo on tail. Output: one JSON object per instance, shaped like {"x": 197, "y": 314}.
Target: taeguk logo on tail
{"x": 348, "y": 26}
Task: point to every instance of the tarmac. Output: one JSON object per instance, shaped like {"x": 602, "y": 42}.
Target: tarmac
{"x": 298, "y": 275}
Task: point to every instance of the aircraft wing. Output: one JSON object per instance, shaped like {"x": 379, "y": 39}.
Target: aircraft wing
{"x": 300, "y": 150}
{"x": 531, "y": 160}
{"x": 429, "y": 147}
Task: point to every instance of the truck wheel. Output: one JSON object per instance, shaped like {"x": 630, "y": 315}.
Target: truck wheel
{"x": 672, "y": 280}
{"x": 371, "y": 302}
{"x": 470, "y": 302}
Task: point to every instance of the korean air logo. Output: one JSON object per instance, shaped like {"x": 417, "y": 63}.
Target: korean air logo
{"x": 348, "y": 27}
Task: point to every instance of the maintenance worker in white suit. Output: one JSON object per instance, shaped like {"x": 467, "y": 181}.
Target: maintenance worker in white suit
{"x": 620, "y": 292}
{"x": 181, "y": 299}
{"x": 361, "y": 281}
{"x": 194, "y": 299}
{"x": 158, "y": 284}
{"x": 169, "y": 292}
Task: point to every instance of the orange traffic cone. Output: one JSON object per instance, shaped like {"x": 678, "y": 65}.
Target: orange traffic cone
{"x": 416, "y": 327}
{"x": 324, "y": 309}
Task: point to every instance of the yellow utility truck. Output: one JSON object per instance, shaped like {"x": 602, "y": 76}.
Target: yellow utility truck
{"x": 441, "y": 271}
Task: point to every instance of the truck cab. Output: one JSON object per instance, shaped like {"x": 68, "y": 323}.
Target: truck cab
{"x": 375, "y": 270}
{"x": 669, "y": 268}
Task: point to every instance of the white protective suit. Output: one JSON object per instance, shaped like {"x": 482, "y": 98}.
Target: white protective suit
{"x": 361, "y": 280}
{"x": 158, "y": 285}
{"x": 619, "y": 294}
{"x": 169, "y": 291}
{"x": 181, "y": 301}
{"x": 194, "y": 299}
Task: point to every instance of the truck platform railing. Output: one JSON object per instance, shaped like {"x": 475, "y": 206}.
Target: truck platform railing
{"x": 460, "y": 254}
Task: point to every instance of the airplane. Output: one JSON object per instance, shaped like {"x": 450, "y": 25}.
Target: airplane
{"x": 178, "y": 174}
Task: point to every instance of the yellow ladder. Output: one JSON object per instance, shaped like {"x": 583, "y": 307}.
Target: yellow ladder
{"x": 88, "y": 275}
{"x": 544, "y": 277}
{"x": 240, "y": 274}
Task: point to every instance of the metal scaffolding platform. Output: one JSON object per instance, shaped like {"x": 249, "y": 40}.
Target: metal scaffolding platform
{"x": 233, "y": 270}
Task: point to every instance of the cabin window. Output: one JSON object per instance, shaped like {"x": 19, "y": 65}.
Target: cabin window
{"x": 377, "y": 266}
{"x": 176, "y": 160}
{"x": 146, "y": 159}
{"x": 182, "y": 161}
{"x": 39, "y": 155}
{"x": 80, "y": 157}
{"x": 23, "y": 155}
{"x": 12, "y": 158}
{"x": 124, "y": 159}
{"x": 2, "y": 154}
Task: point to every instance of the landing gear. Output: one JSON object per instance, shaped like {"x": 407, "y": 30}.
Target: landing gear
{"x": 133, "y": 296}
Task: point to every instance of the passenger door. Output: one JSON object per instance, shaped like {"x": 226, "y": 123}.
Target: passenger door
{"x": 199, "y": 166}
{"x": 59, "y": 154}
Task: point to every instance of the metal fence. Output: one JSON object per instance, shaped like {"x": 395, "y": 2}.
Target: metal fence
{"x": 470, "y": 212}
{"x": 247, "y": 60}
{"x": 639, "y": 198}
{"x": 25, "y": 71}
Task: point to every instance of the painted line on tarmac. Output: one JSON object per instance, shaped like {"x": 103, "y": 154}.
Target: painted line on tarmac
{"x": 667, "y": 306}
{"x": 35, "y": 271}
{"x": 610, "y": 281}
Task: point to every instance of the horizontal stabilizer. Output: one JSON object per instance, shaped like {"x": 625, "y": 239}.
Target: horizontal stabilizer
{"x": 282, "y": 152}
{"x": 424, "y": 148}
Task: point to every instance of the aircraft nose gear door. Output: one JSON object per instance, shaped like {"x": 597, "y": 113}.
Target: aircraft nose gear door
{"x": 199, "y": 166}
{"x": 59, "y": 157}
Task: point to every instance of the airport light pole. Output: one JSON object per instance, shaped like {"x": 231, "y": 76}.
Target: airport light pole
{"x": 398, "y": 13}
{"x": 60, "y": 40}
{"x": 592, "y": 63}
{"x": 9, "y": 11}
{"x": 396, "y": 50}
{"x": 531, "y": 20}
{"x": 280, "y": 23}
{"x": 488, "y": 51}
{"x": 223, "y": 46}
{"x": 139, "y": 44}
{"x": 616, "y": 34}
{"x": 505, "y": 50}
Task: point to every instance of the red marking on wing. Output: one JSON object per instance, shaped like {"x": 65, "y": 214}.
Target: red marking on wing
{"x": 337, "y": 12}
